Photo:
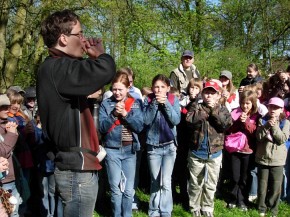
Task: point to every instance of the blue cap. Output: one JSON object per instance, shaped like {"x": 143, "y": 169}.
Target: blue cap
{"x": 187, "y": 53}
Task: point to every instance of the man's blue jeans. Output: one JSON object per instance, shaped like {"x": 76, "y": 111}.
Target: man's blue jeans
{"x": 78, "y": 191}
{"x": 117, "y": 160}
{"x": 161, "y": 162}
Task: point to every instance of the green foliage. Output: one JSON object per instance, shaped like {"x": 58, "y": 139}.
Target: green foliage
{"x": 211, "y": 63}
{"x": 220, "y": 209}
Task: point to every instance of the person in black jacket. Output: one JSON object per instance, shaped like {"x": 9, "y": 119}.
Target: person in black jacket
{"x": 64, "y": 80}
{"x": 253, "y": 76}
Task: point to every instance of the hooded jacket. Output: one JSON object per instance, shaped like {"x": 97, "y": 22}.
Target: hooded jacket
{"x": 63, "y": 84}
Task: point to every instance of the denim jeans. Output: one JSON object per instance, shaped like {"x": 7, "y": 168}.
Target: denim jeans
{"x": 49, "y": 201}
{"x": 254, "y": 183}
{"x": 118, "y": 160}
{"x": 11, "y": 186}
{"x": 78, "y": 192}
{"x": 161, "y": 162}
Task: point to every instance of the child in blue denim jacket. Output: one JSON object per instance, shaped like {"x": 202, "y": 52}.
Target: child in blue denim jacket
{"x": 120, "y": 119}
{"x": 161, "y": 115}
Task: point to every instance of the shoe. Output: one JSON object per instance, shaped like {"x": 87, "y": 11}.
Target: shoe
{"x": 231, "y": 205}
{"x": 243, "y": 208}
{"x": 134, "y": 207}
{"x": 207, "y": 214}
{"x": 262, "y": 214}
{"x": 252, "y": 198}
{"x": 196, "y": 213}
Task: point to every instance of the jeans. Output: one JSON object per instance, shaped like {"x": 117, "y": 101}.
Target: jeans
{"x": 78, "y": 192}
{"x": 46, "y": 184}
{"x": 11, "y": 186}
{"x": 254, "y": 183}
{"x": 161, "y": 162}
{"x": 118, "y": 160}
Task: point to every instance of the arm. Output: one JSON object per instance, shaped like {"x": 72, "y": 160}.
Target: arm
{"x": 106, "y": 117}
{"x": 83, "y": 77}
{"x": 134, "y": 117}
{"x": 8, "y": 140}
{"x": 196, "y": 114}
{"x": 280, "y": 136}
{"x": 220, "y": 119}
{"x": 262, "y": 130}
{"x": 150, "y": 110}
{"x": 172, "y": 113}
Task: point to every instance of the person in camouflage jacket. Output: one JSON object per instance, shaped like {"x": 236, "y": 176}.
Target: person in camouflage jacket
{"x": 207, "y": 122}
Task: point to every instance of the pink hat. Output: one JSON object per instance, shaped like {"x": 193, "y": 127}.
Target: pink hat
{"x": 276, "y": 101}
{"x": 212, "y": 84}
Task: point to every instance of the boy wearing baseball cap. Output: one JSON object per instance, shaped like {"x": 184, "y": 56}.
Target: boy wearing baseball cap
{"x": 207, "y": 123}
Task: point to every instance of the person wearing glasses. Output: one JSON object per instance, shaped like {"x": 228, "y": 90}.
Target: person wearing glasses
{"x": 64, "y": 80}
{"x": 181, "y": 76}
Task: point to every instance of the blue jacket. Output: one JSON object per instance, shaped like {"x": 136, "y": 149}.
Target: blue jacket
{"x": 134, "y": 119}
{"x": 152, "y": 117}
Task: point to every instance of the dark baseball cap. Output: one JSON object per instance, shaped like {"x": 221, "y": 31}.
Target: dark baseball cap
{"x": 187, "y": 53}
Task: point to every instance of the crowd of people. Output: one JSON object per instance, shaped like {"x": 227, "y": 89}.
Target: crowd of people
{"x": 197, "y": 134}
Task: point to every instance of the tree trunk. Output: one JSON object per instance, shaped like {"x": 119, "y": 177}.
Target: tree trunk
{"x": 3, "y": 26}
{"x": 15, "y": 51}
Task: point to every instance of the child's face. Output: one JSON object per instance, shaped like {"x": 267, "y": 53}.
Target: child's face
{"x": 274, "y": 111}
{"x": 4, "y": 109}
{"x": 251, "y": 73}
{"x": 193, "y": 92}
{"x": 14, "y": 108}
{"x": 210, "y": 96}
{"x": 259, "y": 93}
{"x": 246, "y": 106}
{"x": 160, "y": 87}
{"x": 120, "y": 91}
{"x": 225, "y": 81}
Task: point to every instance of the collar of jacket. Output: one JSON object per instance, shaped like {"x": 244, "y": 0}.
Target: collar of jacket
{"x": 53, "y": 52}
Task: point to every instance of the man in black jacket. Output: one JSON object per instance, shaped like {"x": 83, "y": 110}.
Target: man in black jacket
{"x": 64, "y": 81}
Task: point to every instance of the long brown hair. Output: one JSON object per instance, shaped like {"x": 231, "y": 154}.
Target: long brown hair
{"x": 251, "y": 96}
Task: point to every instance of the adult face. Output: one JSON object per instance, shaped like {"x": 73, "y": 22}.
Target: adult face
{"x": 4, "y": 109}
{"x": 187, "y": 61}
{"x": 284, "y": 76}
{"x": 120, "y": 91}
{"x": 30, "y": 102}
{"x": 74, "y": 43}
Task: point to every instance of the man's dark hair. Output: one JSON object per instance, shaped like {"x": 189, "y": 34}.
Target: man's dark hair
{"x": 60, "y": 22}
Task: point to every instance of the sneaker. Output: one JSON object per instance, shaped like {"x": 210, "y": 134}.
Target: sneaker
{"x": 252, "y": 198}
{"x": 207, "y": 214}
{"x": 196, "y": 213}
{"x": 243, "y": 208}
{"x": 134, "y": 207}
{"x": 262, "y": 214}
{"x": 231, "y": 205}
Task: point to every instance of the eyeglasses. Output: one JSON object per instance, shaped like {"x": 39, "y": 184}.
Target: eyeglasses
{"x": 80, "y": 35}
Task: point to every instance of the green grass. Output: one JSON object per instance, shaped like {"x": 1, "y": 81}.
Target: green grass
{"x": 178, "y": 211}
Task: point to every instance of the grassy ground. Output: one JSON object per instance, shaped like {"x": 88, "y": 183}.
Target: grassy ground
{"x": 178, "y": 211}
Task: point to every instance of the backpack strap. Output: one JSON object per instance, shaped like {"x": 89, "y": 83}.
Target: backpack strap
{"x": 128, "y": 104}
